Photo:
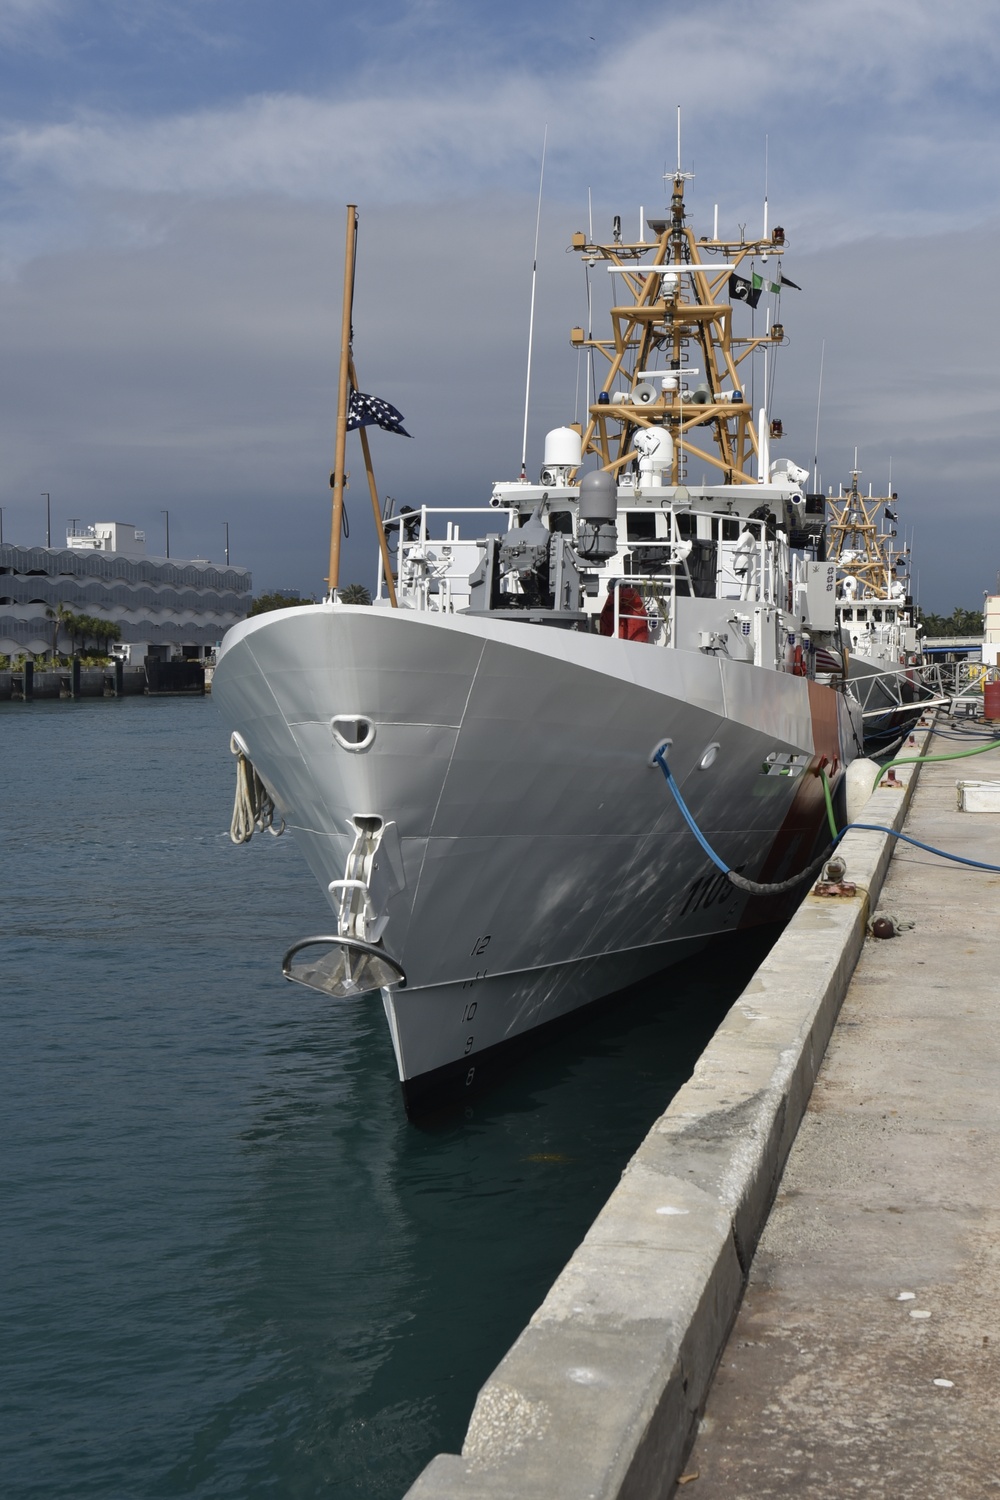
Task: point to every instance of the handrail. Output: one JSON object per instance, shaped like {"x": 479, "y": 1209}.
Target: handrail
{"x": 767, "y": 558}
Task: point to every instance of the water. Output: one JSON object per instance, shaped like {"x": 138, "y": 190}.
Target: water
{"x": 230, "y": 1267}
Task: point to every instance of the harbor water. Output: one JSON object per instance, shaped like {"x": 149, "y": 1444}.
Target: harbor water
{"x": 230, "y": 1265}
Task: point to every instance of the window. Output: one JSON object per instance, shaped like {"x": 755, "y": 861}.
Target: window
{"x": 641, "y": 525}
{"x": 726, "y": 528}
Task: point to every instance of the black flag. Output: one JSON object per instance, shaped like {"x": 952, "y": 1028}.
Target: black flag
{"x": 362, "y": 410}
{"x": 785, "y": 281}
{"x": 741, "y": 290}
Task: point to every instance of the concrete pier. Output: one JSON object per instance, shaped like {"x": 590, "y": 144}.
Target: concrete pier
{"x": 601, "y": 1396}
{"x": 866, "y": 1355}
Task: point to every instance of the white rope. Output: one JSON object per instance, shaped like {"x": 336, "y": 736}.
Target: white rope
{"x": 254, "y": 805}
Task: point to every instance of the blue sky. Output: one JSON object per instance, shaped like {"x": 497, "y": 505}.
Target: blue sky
{"x": 172, "y": 186}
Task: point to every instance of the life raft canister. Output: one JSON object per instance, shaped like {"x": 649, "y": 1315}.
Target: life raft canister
{"x": 633, "y": 621}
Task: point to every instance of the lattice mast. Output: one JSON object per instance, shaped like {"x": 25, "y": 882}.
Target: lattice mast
{"x": 670, "y": 311}
{"x": 857, "y": 543}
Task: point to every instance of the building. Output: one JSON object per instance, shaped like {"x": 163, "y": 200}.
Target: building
{"x": 991, "y": 630}
{"x": 165, "y": 607}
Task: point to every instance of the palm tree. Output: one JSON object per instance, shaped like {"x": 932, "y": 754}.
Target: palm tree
{"x": 104, "y": 631}
{"x": 355, "y": 593}
{"x": 61, "y": 618}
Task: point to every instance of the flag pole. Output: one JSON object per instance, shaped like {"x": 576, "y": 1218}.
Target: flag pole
{"x": 383, "y": 545}
{"x": 343, "y": 398}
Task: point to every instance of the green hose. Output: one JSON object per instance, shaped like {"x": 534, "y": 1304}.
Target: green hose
{"x": 918, "y": 760}
{"x": 830, "y": 816}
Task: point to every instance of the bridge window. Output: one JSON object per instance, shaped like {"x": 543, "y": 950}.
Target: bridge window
{"x": 641, "y": 525}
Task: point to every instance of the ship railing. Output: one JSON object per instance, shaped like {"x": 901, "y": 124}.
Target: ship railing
{"x": 753, "y": 568}
{"x": 434, "y": 572}
{"x": 895, "y": 682}
{"x": 658, "y": 616}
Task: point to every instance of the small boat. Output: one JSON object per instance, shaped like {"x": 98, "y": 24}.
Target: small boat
{"x": 581, "y": 730}
{"x": 876, "y": 614}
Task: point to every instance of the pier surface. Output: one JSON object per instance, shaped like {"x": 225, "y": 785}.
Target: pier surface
{"x": 866, "y": 1355}
{"x": 795, "y": 1290}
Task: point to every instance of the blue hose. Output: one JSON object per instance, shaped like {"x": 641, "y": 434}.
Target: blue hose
{"x": 661, "y": 760}
{"x": 754, "y": 887}
{"x": 958, "y": 859}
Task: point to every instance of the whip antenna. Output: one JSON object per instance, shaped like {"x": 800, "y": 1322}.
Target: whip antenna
{"x": 531, "y": 316}
{"x": 819, "y": 398}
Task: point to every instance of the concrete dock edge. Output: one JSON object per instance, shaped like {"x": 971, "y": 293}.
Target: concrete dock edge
{"x": 599, "y": 1397}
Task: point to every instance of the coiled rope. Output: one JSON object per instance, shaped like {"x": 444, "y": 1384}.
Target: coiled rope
{"x": 254, "y": 805}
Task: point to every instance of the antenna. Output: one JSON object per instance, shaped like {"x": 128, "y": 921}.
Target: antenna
{"x": 819, "y": 398}
{"x": 765, "y": 189}
{"x": 715, "y": 224}
{"x": 678, "y": 140}
{"x": 591, "y": 394}
{"x": 531, "y": 315}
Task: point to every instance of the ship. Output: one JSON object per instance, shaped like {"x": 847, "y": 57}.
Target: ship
{"x": 875, "y": 611}
{"x": 506, "y": 771}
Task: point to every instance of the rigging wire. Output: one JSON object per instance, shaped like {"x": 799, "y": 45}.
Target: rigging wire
{"x": 531, "y": 315}
{"x": 819, "y": 398}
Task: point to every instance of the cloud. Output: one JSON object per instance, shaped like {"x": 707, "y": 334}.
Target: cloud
{"x": 172, "y": 309}
{"x": 305, "y": 148}
{"x": 195, "y": 371}
{"x": 859, "y": 96}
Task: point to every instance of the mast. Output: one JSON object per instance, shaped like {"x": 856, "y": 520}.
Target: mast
{"x": 857, "y": 544}
{"x": 343, "y": 399}
{"x": 658, "y": 313}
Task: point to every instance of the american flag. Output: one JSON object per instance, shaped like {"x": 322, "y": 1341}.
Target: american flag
{"x": 828, "y": 661}
{"x": 363, "y": 410}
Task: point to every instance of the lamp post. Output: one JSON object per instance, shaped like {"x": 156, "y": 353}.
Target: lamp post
{"x": 226, "y": 525}
{"x": 48, "y": 517}
{"x": 167, "y": 514}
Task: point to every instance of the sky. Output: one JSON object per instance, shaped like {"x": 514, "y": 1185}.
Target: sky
{"x": 173, "y": 183}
